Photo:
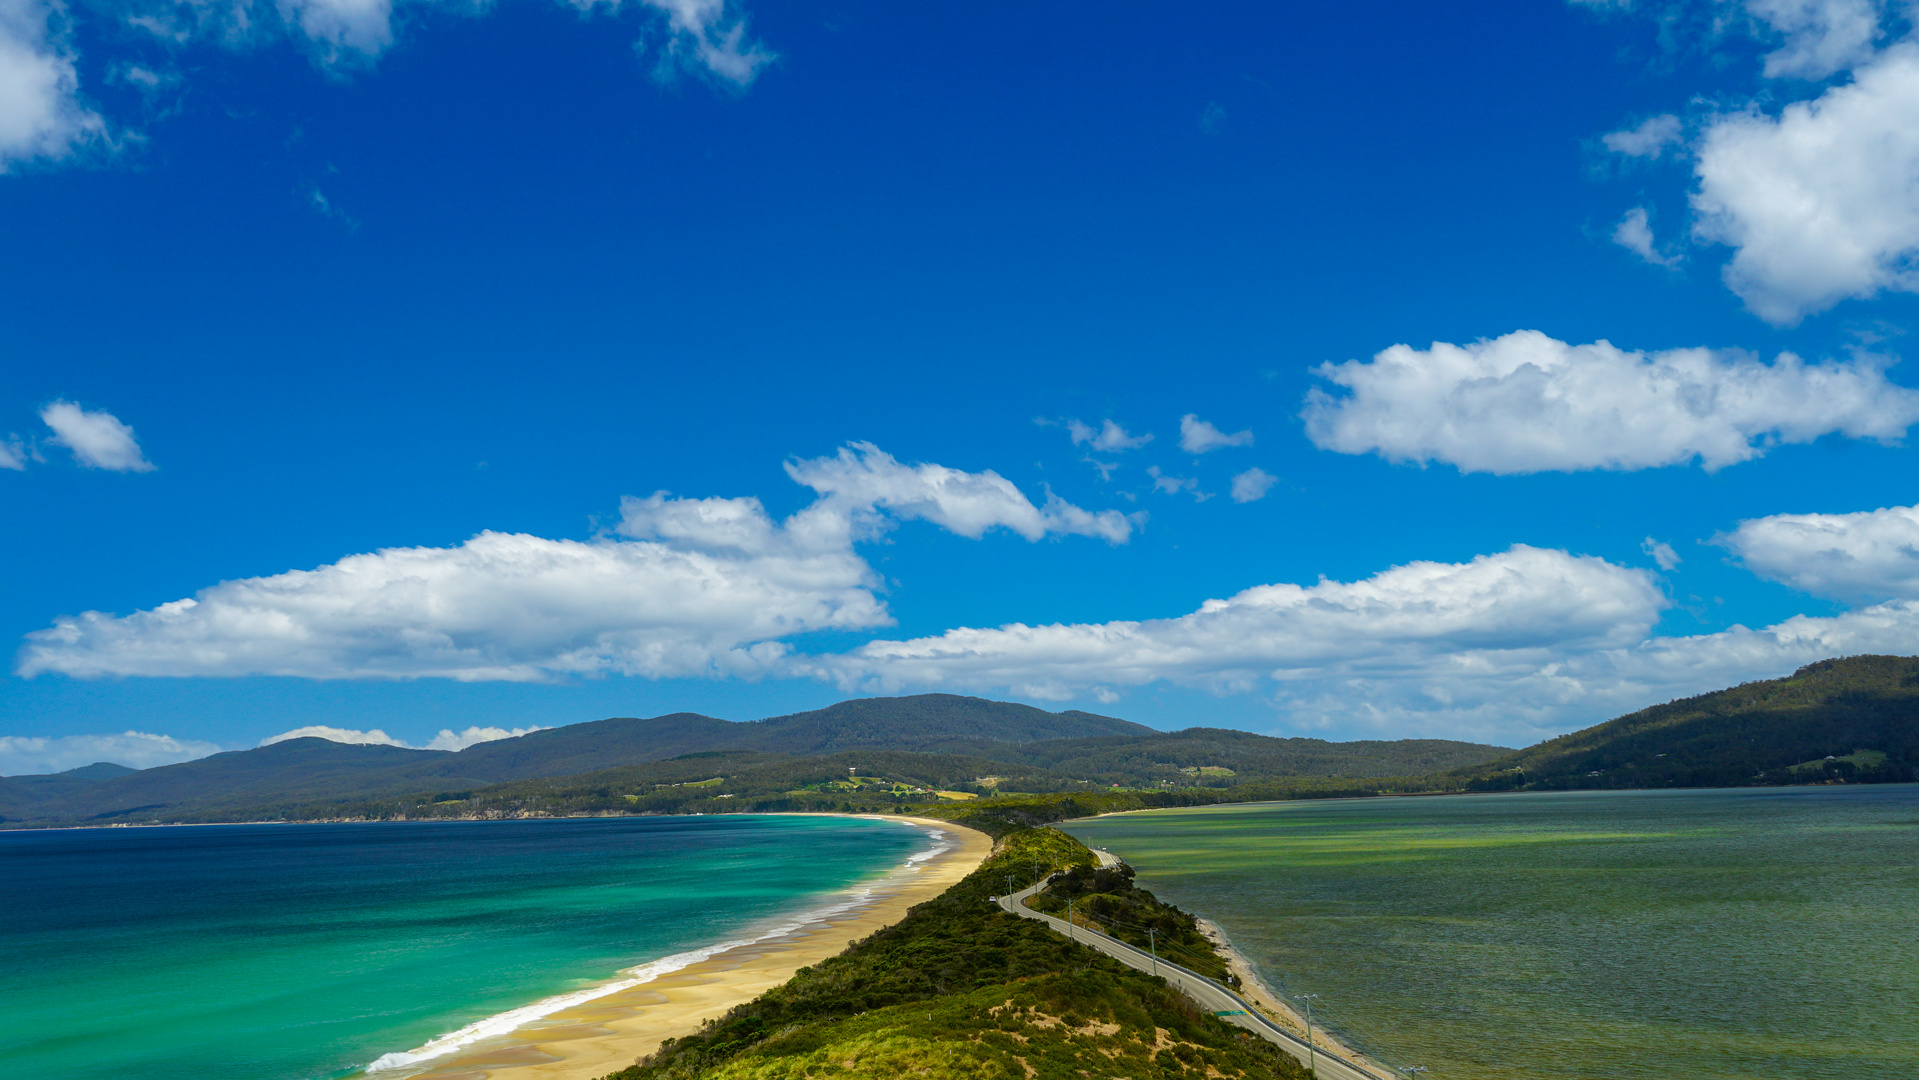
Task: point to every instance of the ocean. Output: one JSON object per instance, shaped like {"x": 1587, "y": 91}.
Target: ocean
{"x": 303, "y": 952}
{"x": 1744, "y": 934}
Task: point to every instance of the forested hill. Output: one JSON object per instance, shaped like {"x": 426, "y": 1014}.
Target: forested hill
{"x": 1854, "y": 719}
{"x": 915, "y": 744}
{"x": 300, "y": 771}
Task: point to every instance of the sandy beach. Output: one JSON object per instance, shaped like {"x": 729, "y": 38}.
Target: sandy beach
{"x": 609, "y": 1033}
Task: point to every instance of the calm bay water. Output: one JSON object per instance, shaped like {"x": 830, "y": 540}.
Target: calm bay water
{"x": 259, "y": 952}
{"x": 1756, "y": 934}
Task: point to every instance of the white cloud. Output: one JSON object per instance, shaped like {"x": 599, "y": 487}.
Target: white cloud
{"x": 473, "y": 736}
{"x": 1508, "y": 648}
{"x": 41, "y": 116}
{"x": 499, "y": 607}
{"x": 445, "y": 740}
{"x": 376, "y": 737}
{"x": 98, "y": 439}
{"x": 1109, "y": 437}
{"x": 1822, "y": 36}
{"x": 1634, "y": 233}
{"x": 705, "y": 35}
{"x": 1252, "y": 485}
{"x": 13, "y": 453}
{"x": 861, "y": 479}
{"x": 1512, "y": 700}
{"x": 1527, "y": 403}
{"x": 24, "y": 755}
{"x": 1196, "y": 436}
{"x": 1869, "y": 555}
{"x": 1661, "y": 553}
{"x": 704, "y": 587}
{"x": 1525, "y": 600}
{"x": 1822, "y": 202}
{"x": 1649, "y": 140}
{"x": 1172, "y": 485}
{"x": 340, "y": 27}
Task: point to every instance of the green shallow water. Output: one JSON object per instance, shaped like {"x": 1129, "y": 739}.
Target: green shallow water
{"x": 1756, "y": 934}
{"x": 260, "y": 952}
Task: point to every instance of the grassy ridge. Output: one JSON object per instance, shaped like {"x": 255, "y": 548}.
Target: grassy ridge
{"x": 958, "y": 988}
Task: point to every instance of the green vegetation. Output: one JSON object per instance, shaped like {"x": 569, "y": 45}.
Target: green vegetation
{"x": 961, "y": 989}
{"x": 1850, "y": 720}
{"x": 1106, "y": 899}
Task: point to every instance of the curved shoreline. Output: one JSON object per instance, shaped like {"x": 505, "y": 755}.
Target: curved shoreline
{"x": 613, "y": 1029}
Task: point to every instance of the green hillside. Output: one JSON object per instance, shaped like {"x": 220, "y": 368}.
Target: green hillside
{"x": 961, "y": 990}
{"x": 1854, "y": 719}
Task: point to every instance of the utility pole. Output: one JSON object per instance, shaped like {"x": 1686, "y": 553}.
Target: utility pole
{"x": 1069, "y": 921}
{"x": 1152, "y": 943}
{"x": 1312, "y": 1054}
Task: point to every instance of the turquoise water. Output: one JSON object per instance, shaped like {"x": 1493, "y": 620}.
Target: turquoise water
{"x": 1748, "y": 934}
{"x": 261, "y": 952}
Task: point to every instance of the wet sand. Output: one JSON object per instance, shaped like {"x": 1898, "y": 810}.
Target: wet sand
{"x": 612, "y": 1032}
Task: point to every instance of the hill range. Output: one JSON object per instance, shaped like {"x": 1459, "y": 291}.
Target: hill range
{"x": 950, "y": 738}
{"x": 1848, "y": 720}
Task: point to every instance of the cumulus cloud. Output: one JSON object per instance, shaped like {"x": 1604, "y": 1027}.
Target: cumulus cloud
{"x": 1527, "y": 403}
{"x": 1196, "y": 436}
{"x": 1649, "y": 140}
{"x": 862, "y": 479}
{"x": 23, "y": 755}
{"x": 501, "y": 606}
{"x": 41, "y": 115}
{"x": 98, "y": 439}
{"x": 447, "y": 739}
{"x": 1252, "y": 485}
{"x": 1873, "y": 554}
{"x": 1511, "y": 648}
{"x": 1661, "y": 553}
{"x": 703, "y": 587}
{"x": 1822, "y": 36}
{"x": 1634, "y": 233}
{"x": 13, "y": 453}
{"x": 1820, "y": 203}
{"x": 1524, "y": 600}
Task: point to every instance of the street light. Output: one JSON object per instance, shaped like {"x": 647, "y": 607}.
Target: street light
{"x": 1414, "y": 1071}
{"x": 1152, "y": 943}
{"x": 1312, "y": 1053}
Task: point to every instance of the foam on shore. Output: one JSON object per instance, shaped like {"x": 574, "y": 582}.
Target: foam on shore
{"x": 387, "y": 1066}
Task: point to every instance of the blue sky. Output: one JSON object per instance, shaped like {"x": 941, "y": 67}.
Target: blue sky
{"x": 1504, "y": 369}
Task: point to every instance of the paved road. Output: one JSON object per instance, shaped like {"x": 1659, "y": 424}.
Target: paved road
{"x": 1210, "y": 996}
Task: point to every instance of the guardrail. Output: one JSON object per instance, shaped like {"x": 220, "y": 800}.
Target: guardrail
{"x": 1139, "y": 959}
